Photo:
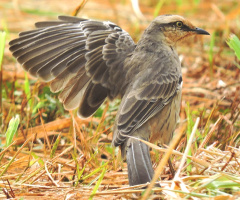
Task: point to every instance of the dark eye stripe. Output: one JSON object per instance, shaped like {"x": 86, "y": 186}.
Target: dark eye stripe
{"x": 173, "y": 24}
{"x": 185, "y": 28}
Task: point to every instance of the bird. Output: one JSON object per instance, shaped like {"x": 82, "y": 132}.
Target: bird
{"x": 88, "y": 61}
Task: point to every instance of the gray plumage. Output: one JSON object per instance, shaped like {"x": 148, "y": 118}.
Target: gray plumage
{"x": 89, "y": 61}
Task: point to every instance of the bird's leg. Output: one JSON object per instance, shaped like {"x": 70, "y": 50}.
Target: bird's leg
{"x": 172, "y": 170}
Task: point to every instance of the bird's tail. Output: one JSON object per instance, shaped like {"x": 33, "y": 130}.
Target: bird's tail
{"x": 139, "y": 164}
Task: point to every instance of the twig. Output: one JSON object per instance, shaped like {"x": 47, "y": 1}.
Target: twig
{"x": 187, "y": 149}
{"x": 49, "y": 175}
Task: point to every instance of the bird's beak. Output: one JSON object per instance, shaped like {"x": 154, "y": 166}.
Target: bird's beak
{"x": 200, "y": 31}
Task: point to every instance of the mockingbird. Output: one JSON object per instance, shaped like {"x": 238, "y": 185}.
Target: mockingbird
{"x": 89, "y": 60}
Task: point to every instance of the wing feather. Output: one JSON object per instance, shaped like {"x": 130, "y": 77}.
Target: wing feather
{"x": 151, "y": 90}
{"x": 80, "y": 57}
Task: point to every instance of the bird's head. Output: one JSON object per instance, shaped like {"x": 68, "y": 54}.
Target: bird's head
{"x": 174, "y": 28}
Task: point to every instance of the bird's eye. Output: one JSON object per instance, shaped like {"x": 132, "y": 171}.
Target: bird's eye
{"x": 179, "y": 24}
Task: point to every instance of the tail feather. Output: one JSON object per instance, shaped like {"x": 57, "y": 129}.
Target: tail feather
{"x": 139, "y": 164}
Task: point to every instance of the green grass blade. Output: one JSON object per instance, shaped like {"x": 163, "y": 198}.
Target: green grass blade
{"x": 27, "y": 90}
{"x": 38, "y": 106}
{"x": 158, "y": 8}
{"x": 196, "y": 2}
{"x": 98, "y": 183}
{"x": 192, "y": 194}
{"x": 55, "y": 145}
{"x": 94, "y": 172}
{"x": 12, "y": 129}
{"x": 2, "y": 45}
{"x": 39, "y": 160}
{"x": 79, "y": 173}
{"x": 234, "y": 43}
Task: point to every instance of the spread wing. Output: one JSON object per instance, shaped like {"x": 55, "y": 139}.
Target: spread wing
{"x": 152, "y": 90}
{"x": 79, "y": 57}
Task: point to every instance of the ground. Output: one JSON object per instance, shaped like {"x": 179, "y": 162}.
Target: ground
{"x": 56, "y": 155}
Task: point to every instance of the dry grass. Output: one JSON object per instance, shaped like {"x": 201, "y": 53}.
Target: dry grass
{"x": 55, "y": 155}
